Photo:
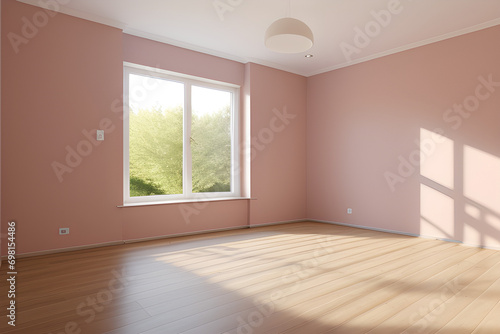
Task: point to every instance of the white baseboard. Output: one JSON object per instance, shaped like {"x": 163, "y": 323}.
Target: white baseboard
{"x": 211, "y": 231}
{"x": 280, "y": 223}
{"x": 64, "y": 250}
{"x": 168, "y": 236}
{"x": 121, "y": 242}
{"x": 130, "y": 241}
{"x": 404, "y": 233}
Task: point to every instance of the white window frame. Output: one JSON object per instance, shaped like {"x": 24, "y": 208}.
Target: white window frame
{"x": 188, "y": 81}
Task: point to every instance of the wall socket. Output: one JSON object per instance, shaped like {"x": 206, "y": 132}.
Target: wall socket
{"x": 64, "y": 231}
{"x": 349, "y": 211}
{"x": 100, "y": 135}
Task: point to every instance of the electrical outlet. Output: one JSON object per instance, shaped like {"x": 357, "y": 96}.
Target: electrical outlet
{"x": 64, "y": 231}
{"x": 349, "y": 211}
{"x": 100, "y": 135}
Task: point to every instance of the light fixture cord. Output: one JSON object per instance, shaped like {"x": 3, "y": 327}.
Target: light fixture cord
{"x": 289, "y": 14}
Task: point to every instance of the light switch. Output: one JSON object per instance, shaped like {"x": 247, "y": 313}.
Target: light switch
{"x": 100, "y": 135}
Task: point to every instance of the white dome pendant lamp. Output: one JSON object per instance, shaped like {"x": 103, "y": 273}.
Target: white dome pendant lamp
{"x": 289, "y": 35}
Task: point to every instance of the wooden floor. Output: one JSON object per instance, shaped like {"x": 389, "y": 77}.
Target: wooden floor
{"x": 295, "y": 278}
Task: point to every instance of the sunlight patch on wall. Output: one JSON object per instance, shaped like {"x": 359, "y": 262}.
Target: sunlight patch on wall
{"x": 482, "y": 178}
{"x": 472, "y": 236}
{"x": 493, "y": 221}
{"x": 438, "y": 165}
{"x": 437, "y": 213}
{"x": 473, "y": 211}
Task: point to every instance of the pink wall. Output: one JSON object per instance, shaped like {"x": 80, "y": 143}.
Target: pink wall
{"x": 360, "y": 122}
{"x": 277, "y": 166}
{"x": 67, "y": 79}
{"x": 278, "y": 183}
{"x": 365, "y": 119}
{"x": 155, "y": 54}
{"x": 1, "y": 237}
{"x": 151, "y": 221}
{"x": 60, "y": 83}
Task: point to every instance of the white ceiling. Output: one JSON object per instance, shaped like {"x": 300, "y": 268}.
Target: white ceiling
{"x": 238, "y": 32}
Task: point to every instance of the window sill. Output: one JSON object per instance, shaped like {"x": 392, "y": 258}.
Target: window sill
{"x": 184, "y": 201}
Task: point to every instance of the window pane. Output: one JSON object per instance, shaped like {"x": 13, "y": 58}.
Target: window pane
{"x": 156, "y": 136}
{"x": 211, "y": 140}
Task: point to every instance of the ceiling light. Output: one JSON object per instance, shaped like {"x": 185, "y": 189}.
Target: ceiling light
{"x": 309, "y": 55}
{"x": 289, "y": 35}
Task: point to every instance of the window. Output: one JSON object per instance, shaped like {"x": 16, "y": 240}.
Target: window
{"x": 180, "y": 137}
